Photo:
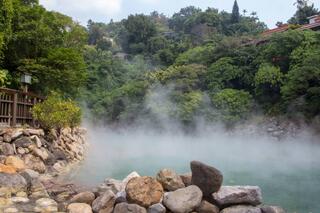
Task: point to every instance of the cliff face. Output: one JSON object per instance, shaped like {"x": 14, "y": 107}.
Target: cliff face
{"x": 39, "y": 151}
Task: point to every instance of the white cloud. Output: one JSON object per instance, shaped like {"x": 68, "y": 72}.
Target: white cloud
{"x": 83, "y": 10}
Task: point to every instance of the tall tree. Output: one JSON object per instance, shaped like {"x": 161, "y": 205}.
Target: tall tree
{"x": 235, "y": 16}
{"x": 304, "y": 10}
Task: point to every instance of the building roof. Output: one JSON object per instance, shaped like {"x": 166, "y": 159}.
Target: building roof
{"x": 310, "y": 26}
{"x": 286, "y": 27}
{"x": 280, "y": 29}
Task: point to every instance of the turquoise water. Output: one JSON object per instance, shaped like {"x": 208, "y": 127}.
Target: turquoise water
{"x": 287, "y": 171}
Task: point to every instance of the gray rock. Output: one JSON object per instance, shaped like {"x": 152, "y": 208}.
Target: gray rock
{"x": 157, "y": 208}
{"x": 79, "y": 208}
{"x": 104, "y": 202}
{"x": 24, "y": 142}
{"x": 37, "y": 189}
{"x": 114, "y": 185}
{"x": 29, "y": 175}
{"x": 83, "y": 197}
{"x": 170, "y": 180}
{"x": 206, "y": 207}
{"x": 7, "y": 138}
{"x": 46, "y": 205}
{"x": 187, "y": 178}
{"x": 16, "y": 134}
{"x": 11, "y": 184}
{"x": 207, "y": 178}
{"x": 125, "y": 208}
{"x": 241, "y": 209}
{"x": 183, "y": 200}
{"x": 6, "y": 149}
{"x": 272, "y": 209}
{"x": 232, "y": 195}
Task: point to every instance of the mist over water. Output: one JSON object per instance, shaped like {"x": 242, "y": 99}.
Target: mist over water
{"x": 288, "y": 171}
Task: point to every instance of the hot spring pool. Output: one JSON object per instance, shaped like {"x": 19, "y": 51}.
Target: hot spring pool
{"x": 287, "y": 171}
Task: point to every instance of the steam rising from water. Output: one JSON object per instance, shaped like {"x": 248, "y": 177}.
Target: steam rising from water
{"x": 288, "y": 171}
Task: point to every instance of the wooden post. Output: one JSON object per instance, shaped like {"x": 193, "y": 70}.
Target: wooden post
{"x": 14, "y": 109}
{"x": 34, "y": 103}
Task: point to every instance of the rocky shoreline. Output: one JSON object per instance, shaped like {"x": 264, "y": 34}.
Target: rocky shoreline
{"x": 31, "y": 162}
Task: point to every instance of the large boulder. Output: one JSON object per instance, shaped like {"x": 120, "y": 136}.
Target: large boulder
{"x": 34, "y": 163}
{"x": 104, "y": 203}
{"x": 37, "y": 132}
{"x": 127, "y": 208}
{"x": 241, "y": 209}
{"x": 24, "y": 142}
{"x": 183, "y": 200}
{"x": 15, "y": 162}
{"x": 83, "y": 197}
{"x": 41, "y": 153}
{"x": 207, "y": 178}
{"x": 6, "y": 149}
{"x": 170, "y": 180}
{"x": 272, "y": 209}
{"x": 144, "y": 191}
{"x": 206, "y": 207}
{"x": 232, "y": 195}
{"x": 7, "y": 169}
{"x": 79, "y": 208}
{"x": 11, "y": 184}
{"x": 157, "y": 208}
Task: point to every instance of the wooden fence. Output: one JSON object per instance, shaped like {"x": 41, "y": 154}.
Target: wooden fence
{"x": 15, "y": 107}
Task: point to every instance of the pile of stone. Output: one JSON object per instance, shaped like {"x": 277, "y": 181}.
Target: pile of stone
{"x": 201, "y": 191}
{"x": 44, "y": 153}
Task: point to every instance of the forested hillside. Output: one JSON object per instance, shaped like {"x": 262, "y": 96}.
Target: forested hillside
{"x": 197, "y": 63}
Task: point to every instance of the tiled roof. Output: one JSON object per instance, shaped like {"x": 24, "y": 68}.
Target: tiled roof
{"x": 283, "y": 28}
{"x": 310, "y": 26}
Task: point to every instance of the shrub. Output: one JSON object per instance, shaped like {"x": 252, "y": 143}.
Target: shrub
{"x": 232, "y": 105}
{"x": 56, "y": 113}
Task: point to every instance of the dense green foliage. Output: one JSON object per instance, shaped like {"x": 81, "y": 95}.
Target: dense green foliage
{"x": 194, "y": 64}
{"x": 47, "y": 45}
{"x": 57, "y": 113}
{"x": 232, "y": 105}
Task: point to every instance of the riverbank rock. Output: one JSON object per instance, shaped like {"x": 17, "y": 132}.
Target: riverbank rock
{"x": 272, "y": 209}
{"x": 241, "y": 209}
{"x": 206, "y": 207}
{"x": 104, "y": 203}
{"x": 157, "y": 208}
{"x": 170, "y": 180}
{"x": 207, "y": 178}
{"x": 128, "y": 208}
{"x": 6, "y": 149}
{"x": 15, "y": 162}
{"x": 232, "y": 195}
{"x": 79, "y": 208}
{"x": 46, "y": 205}
{"x": 23, "y": 142}
{"x": 83, "y": 197}
{"x": 187, "y": 179}
{"x": 183, "y": 200}
{"x": 144, "y": 191}
{"x": 7, "y": 169}
{"x": 11, "y": 184}
{"x": 34, "y": 163}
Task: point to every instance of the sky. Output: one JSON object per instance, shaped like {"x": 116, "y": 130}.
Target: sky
{"x": 269, "y": 11}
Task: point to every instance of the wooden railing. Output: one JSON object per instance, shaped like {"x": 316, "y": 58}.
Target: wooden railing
{"x": 15, "y": 107}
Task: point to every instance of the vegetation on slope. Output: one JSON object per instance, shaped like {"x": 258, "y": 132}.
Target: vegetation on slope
{"x": 206, "y": 61}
